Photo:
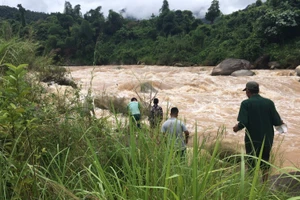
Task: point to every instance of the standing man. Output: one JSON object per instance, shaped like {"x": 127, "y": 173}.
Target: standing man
{"x": 175, "y": 129}
{"x": 156, "y": 114}
{"x": 134, "y": 111}
{"x": 258, "y": 115}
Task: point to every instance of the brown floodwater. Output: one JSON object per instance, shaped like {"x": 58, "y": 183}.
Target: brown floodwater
{"x": 205, "y": 102}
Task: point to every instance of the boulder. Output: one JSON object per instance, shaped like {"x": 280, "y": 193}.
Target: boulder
{"x": 262, "y": 62}
{"x": 274, "y": 65}
{"x": 243, "y": 72}
{"x": 298, "y": 70}
{"x": 67, "y": 81}
{"x": 178, "y": 65}
{"x": 227, "y": 66}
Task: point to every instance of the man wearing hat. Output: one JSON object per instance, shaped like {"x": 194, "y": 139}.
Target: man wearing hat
{"x": 258, "y": 115}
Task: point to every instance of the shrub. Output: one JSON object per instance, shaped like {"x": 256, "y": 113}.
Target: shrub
{"x": 53, "y": 73}
{"x": 111, "y": 103}
{"x": 148, "y": 60}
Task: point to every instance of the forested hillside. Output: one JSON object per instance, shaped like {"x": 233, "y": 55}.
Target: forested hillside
{"x": 174, "y": 36}
{"x": 8, "y": 13}
{"x": 51, "y": 147}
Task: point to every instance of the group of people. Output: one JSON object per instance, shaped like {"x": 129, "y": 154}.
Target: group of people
{"x": 173, "y": 125}
{"x": 257, "y": 115}
{"x": 155, "y": 116}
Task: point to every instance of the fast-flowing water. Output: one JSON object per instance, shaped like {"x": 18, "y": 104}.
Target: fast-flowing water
{"x": 205, "y": 102}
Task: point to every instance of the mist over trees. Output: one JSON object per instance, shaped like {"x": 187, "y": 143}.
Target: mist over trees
{"x": 173, "y": 36}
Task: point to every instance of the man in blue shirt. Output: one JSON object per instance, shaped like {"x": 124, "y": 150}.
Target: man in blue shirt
{"x": 134, "y": 111}
{"x": 175, "y": 129}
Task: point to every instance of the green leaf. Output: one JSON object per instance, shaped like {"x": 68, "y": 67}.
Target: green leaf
{"x": 13, "y": 106}
{"x": 14, "y": 78}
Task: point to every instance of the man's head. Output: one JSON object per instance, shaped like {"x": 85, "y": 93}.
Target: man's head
{"x": 155, "y": 101}
{"x": 252, "y": 87}
{"x": 174, "y": 112}
{"x": 133, "y": 99}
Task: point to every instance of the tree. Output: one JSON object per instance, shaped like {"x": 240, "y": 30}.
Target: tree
{"x": 169, "y": 26}
{"x": 294, "y": 3}
{"x": 6, "y": 31}
{"x": 185, "y": 20}
{"x": 86, "y": 32}
{"x": 22, "y": 13}
{"x": 166, "y": 19}
{"x": 274, "y": 3}
{"x": 277, "y": 26}
{"x": 76, "y": 11}
{"x": 66, "y": 21}
{"x": 165, "y": 7}
{"x": 68, "y": 8}
{"x": 213, "y": 11}
{"x": 258, "y": 3}
{"x": 96, "y": 19}
{"x": 114, "y": 22}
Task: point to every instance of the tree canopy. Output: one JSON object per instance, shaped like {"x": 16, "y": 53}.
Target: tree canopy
{"x": 262, "y": 28}
{"x": 213, "y": 11}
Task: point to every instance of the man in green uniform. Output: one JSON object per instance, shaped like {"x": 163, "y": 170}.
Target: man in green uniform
{"x": 258, "y": 115}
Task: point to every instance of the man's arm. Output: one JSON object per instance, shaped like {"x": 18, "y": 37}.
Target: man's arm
{"x": 276, "y": 119}
{"x": 236, "y": 128}
{"x": 163, "y": 128}
{"x": 186, "y": 133}
{"x": 242, "y": 117}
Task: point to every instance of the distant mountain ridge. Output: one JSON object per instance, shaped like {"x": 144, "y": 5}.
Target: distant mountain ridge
{"x": 7, "y": 12}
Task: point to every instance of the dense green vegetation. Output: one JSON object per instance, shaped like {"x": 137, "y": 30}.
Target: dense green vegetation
{"x": 174, "y": 36}
{"x": 8, "y": 13}
{"x": 49, "y": 150}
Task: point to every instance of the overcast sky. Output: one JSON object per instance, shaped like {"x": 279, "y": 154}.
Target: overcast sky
{"x": 137, "y": 8}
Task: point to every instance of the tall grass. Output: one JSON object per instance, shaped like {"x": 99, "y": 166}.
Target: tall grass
{"x": 146, "y": 170}
{"x": 49, "y": 151}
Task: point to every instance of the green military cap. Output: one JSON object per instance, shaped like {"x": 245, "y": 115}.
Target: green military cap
{"x": 252, "y": 85}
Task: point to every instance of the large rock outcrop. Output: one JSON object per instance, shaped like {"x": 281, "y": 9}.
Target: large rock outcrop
{"x": 262, "y": 62}
{"x": 226, "y": 67}
{"x": 274, "y": 65}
